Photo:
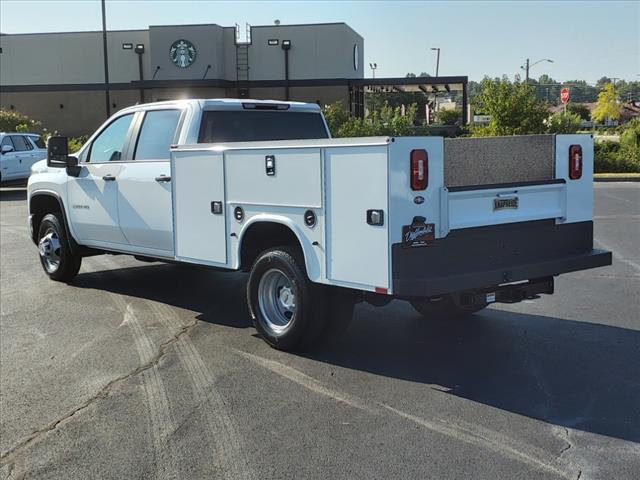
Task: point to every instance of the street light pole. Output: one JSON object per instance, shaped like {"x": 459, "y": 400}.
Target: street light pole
{"x": 373, "y": 67}
{"x": 528, "y": 65}
{"x": 437, "y": 60}
{"x": 106, "y": 60}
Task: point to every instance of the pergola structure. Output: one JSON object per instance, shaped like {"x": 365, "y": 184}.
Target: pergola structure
{"x": 358, "y": 88}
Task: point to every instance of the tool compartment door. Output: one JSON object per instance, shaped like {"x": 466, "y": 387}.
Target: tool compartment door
{"x": 274, "y": 177}
{"x": 199, "y": 232}
{"x": 356, "y": 181}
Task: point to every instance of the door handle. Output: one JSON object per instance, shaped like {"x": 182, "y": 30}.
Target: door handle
{"x": 108, "y": 178}
{"x": 163, "y": 178}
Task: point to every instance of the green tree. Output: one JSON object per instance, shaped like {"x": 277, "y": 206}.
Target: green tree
{"x": 607, "y": 106}
{"x": 513, "y": 107}
{"x": 579, "y": 109}
{"x": 581, "y": 91}
{"x": 600, "y": 84}
{"x": 563, "y": 123}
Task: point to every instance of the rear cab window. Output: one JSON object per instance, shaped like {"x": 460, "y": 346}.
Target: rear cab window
{"x": 221, "y": 126}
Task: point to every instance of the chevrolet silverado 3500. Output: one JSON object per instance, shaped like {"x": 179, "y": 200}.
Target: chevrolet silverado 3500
{"x": 449, "y": 225}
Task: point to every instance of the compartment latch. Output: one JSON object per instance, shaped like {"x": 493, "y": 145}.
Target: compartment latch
{"x": 270, "y": 165}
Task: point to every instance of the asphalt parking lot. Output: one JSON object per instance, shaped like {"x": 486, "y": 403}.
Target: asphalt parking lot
{"x": 140, "y": 370}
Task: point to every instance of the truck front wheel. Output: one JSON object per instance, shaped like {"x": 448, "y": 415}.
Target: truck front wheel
{"x": 57, "y": 259}
{"x": 445, "y": 306}
{"x": 285, "y": 307}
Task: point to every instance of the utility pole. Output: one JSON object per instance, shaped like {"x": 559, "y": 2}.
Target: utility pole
{"x": 526, "y": 72}
{"x": 106, "y": 59}
{"x": 437, "y": 60}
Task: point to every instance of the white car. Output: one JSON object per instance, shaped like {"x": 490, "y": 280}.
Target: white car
{"x": 18, "y": 152}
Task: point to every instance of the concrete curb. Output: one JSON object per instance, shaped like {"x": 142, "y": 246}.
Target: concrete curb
{"x": 616, "y": 177}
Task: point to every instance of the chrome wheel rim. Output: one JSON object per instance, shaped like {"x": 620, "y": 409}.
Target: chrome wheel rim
{"x": 49, "y": 249}
{"x": 276, "y": 300}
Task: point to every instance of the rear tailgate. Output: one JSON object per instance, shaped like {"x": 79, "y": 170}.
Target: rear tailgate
{"x": 488, "y": 234}
{"x": 560, "y": 198}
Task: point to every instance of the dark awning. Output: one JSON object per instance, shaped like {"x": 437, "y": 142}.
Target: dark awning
{"x": 412, "y": 84}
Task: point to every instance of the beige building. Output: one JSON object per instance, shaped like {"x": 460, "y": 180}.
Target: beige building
{"x": 59, "y": 78}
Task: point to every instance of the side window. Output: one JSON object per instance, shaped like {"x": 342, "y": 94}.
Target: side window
{"x": 28, "y": 142}
{"x": 6, "y": 141}
{"x": 19, "y": 143}
{"x": 156, "y": 135}
{"x": 38, "y": 142}
{"x": 108, "y": 146}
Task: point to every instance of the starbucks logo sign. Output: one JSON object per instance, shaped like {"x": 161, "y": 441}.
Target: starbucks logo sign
{"x": 182, "y": 53}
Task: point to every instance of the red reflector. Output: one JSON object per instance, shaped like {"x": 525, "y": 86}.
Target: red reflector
{"x": 381, "y": 290}
{"x": 419, "y": 169}
{"x": 575, "y": 162}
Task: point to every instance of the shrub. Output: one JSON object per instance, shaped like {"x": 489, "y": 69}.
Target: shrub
{"x": 75, "y": 143}
{"x": 14, "y": 121}
{"x": 563, "y": 123}
{"x": 449, "y": 116}
{"x": 385, "y": 121}
{"x": 614, "y": 157}
{"x": 630, "y": 135}
{"x": 336, "y": 116}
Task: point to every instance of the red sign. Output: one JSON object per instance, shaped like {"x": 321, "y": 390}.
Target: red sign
{"x": 564, "y": 95}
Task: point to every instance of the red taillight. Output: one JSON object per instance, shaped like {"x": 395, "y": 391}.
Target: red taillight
{"x": 575, "y": 162}
{"x": 419, "y": 169}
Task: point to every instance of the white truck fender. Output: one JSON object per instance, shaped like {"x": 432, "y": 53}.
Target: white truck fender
{"x": 312, "y": 262}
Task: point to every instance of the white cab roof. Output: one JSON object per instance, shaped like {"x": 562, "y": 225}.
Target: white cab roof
{"x": 226, "y": 104}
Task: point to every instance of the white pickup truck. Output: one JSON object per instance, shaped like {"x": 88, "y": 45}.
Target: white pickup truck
{"x": 449, "y": 225}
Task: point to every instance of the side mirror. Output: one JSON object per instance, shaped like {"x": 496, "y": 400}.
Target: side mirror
{"x": 73, "y": 169}
{"x": 57, "y": 152}
{"x": 6, "y": 149}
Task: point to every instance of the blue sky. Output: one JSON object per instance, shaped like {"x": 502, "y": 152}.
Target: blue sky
{"x": 586, "y": 40}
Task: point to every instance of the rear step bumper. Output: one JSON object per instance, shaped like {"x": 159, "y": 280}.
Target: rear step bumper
{"x": 484, "y": 257}
{"x": 512, "y": 293}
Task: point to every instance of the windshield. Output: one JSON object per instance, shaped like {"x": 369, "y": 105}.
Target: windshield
{"x": 220, "y": 126}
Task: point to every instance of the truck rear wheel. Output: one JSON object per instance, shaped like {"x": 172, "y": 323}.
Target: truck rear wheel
{"x": 286, "y": 308}
{"x": 56, "y": 257}
{"x": 445, "y": 306}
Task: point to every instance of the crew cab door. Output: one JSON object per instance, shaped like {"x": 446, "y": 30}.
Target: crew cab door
{"x": 144, "y": 184}
{"x": 93, "y": 195}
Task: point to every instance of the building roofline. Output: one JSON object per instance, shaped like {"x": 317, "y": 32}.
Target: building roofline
{"x": 307, "y": 25}
{"x": 184, "y": 25}
{"x": 190, "y": 25}
{"x": 69, "y": 33}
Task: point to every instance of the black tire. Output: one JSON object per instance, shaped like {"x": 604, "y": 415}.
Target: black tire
{"x": 278, "y": 277}
{"x": 445, "y": 307}
{"x": 56, "y": 257}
